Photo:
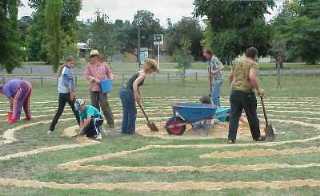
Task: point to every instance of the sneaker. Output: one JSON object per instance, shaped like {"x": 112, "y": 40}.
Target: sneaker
{"x": 260, "y": 139}
{"x": 12, "y": 121}
{"x": 49, "y": 132}
{"x": 28, "y": 118}
{"x": 99, "y": 136}
{"x": 231, "y": 141}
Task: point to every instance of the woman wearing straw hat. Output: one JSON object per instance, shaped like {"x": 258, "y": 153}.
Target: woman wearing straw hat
{"x": 95, "y": 72}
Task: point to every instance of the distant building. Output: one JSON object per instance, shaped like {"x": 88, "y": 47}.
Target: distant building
{"x": 83, "y": 49}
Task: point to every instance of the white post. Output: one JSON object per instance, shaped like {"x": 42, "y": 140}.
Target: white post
{"x": 159, "y": 55}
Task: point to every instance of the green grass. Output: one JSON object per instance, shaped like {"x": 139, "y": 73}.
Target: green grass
{"x": 42, "y": 167}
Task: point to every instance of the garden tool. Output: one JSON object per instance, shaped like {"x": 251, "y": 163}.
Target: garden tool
{"x": 269, "y": 131}
{"x": 150, "y": 124}
{"x": 210, "y": 80}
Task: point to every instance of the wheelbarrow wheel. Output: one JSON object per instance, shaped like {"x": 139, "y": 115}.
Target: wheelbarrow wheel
{"x": 176, "y": 126}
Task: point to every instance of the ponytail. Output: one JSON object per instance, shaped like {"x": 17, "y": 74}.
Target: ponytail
{"x": 60, "y": 70}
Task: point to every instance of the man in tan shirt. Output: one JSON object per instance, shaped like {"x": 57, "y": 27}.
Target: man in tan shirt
{"x": 244, "y": 82}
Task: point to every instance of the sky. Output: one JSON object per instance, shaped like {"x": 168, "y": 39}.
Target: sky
{"x": 125, "y": 9}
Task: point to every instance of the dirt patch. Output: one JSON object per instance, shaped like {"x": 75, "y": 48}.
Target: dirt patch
{"x": 70, "y": 132}
{"x": 259, "y": 153}
{"x": 177, "y": 169}
{"x": 163, "y": 186}
{"x": 219, "y": 131}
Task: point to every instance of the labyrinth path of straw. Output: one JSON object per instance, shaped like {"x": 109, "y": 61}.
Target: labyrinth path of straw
{"x": 284, "y": 112}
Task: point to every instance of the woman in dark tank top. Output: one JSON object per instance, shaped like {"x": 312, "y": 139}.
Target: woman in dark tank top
{"x": 130, "y": 95}
{"x": 131, "y": 81}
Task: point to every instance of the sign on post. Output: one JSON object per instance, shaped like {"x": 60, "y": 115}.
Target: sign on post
{"x": 158, "y": 40}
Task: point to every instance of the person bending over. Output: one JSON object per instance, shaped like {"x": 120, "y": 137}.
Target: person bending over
{"x": 244, "y": 82}
{"x": 131, "y": 94}
{"x": 19, "y": 94}
{"x": 91, "y": 120}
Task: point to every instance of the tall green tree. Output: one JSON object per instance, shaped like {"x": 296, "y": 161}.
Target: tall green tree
{"x": 187, "y": 28}
{"x": 37, "y": 39}
{"x": 148, "y": 25}
{"x": 298, "y": 26}
{"x": 183, "y": 56}
{"x": 53, "y": 13}
{"x": 10, "y": 54}
{"x": 102, "y": 35}
{"x": 235, "y": 25}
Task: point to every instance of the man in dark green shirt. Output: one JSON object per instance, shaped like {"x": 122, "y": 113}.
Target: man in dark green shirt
{"x": 244, "y": 82}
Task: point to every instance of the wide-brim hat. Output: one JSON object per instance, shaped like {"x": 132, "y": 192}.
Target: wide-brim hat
{"x": 94, "y": 53}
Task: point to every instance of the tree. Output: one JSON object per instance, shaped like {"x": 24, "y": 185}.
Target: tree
{"x": 183, "y": 56}
{"x": 298, "y": 26}
{"x": 53, "y": 13}
{"x": 234, "y": 26}
{"x": 103, "y": 35}
{"x": 37, "y": 39}
{"x": 186, "y": 28}
{"x": 69, "y": 25}
{"x": 148, "y": 24}
{"x": 10, "y": 54}
{"x": 125, "y": 35}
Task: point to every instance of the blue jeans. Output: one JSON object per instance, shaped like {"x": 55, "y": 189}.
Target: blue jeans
{"x": 129, "y": 111}
{"x": 216, "y": 90}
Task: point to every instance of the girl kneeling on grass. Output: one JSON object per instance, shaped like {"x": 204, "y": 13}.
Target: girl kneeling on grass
{"x": 131, "y": 94}
{"x": 90, "y": 120}
{"x": 19, "y": 93}
{"x": 66, "y": 90}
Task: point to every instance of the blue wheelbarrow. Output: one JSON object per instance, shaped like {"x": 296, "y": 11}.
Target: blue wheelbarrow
{"x": 190, "y": 113}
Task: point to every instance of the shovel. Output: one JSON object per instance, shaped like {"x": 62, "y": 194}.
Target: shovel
{"x": 151, "y": 125}
{"x": 269, "y": 131}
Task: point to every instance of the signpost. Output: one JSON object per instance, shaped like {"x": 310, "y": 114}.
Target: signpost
{"x": 158, "y": 40}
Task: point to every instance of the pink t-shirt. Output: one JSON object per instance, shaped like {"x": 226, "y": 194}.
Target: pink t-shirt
{"x": 99, "y": 71}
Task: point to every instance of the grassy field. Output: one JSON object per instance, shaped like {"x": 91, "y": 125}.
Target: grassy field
{"x": 33, "y": 163}
{"x": 120, "y": 67}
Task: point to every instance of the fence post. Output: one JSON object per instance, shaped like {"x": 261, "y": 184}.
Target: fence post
{"x": 31, "y": 70}
{"x": 3, "y": 80}
{"x": 41, "y": 82}
{"x": 168, "y": 77}
{"x": 196, "y": 76}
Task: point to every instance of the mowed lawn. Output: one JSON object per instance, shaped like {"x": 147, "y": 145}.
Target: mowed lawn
{"x": 294, "y": 110}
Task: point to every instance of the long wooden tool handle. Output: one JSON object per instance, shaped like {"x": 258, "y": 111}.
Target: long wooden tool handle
{"x": 210, "y": 79}
{"x": 144, "y": 113}
{"x": 264, "y": 110}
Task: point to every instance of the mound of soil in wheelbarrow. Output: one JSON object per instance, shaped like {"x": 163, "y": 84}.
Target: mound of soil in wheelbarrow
{"x": 219, "y": 131}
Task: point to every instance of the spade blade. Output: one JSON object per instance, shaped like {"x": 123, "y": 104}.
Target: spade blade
{"x": 270, "y": 134}
{"x": 153, "y": 127}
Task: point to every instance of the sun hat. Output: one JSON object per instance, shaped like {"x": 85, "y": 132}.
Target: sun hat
{"x": 94, "y": 53}
{"x": 78, "y": 103}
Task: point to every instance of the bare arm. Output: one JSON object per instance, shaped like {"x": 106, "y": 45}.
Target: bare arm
{"x": 231, "y": 77}
{"x": 254, "y": 81}
{"x": 136, "y": 90}
{"x": 83, "y": 124}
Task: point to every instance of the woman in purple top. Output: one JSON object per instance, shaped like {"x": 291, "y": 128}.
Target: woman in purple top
{"x": 18, "y": 92}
